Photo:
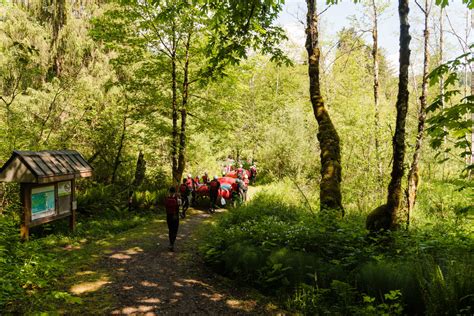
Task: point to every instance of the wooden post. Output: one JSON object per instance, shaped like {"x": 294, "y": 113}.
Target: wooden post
{"x": 72, "y": 218}
{"x": 25, "y": 198}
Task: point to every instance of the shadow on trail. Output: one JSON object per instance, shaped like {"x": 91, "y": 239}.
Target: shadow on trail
{"x": 145, "y": 278}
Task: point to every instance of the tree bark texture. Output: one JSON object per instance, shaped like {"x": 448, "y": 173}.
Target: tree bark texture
{"x": 386, "y": 216}
{"x": 174, "y": 132}
{"x": 140, "y": 170}
{"x": 413, "y": 174}
{"x": 330, "y": 187}
{"x": 375, "y": 59}
{"x": 58, "y": 21}
{"x": 185, "y": 96}
{"x": 139, "y": 177}
{"x": 472, "y": 110}
{"x": 117, "y": 160}
{"x": 441, "y": 83}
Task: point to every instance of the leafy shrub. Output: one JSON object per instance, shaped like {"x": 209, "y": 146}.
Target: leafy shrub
{"x": 29, "y": 271}
{"x": 97, "y": 197}
{"x": 148, "y": 199}
{"x": 378, "y": 278}
{"x": 332, "y": 266}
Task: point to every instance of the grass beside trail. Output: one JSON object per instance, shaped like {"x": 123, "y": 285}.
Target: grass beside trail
{"x": 57, "y": 272}
{"x": 86, "y": 277}
{"x": 73, "y": 273}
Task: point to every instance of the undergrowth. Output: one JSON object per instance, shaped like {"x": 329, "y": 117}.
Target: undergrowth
{"x": 319, "y": 265}
{"x": 30, "y": 271}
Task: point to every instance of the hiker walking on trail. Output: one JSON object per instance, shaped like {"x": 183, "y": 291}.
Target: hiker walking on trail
{"x": 253, "y": 173}
{"x": 184, "y": 193}
{"x": 172, "y": 203}
{"x": 191, "y": 183}
{"x": 240, "y": 185}
{"x": 214, "y": 187}
{"x": 240, "y": 170}
{"x": 246, "y": 186}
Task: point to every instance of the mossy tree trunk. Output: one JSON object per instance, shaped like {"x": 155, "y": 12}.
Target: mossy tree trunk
{"x": 59, "y": 17}
{"x": 174, "y": 112}
{"x": 413, "y": 176}
{"x": 386, "y": 216}
{"x": 184, "y": 105}
{"x": 375, "y": 61}
{"x": 330, "y": 187}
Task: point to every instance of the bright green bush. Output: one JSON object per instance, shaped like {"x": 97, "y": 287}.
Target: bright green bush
{"x": 29, "y": 271}
{"x": 319, "y": 265}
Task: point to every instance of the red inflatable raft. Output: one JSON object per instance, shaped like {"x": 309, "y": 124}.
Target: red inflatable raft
{"x": 225, "y": 191}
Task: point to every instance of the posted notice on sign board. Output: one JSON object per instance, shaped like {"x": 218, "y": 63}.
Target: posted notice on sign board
{"x": 42, "y": 202}
{"x": 64, "y": 188}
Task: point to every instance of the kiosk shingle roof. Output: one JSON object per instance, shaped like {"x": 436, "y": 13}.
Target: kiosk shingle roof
{"x": 45, "y": 166}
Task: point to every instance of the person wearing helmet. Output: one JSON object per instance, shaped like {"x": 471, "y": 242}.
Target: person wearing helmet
{"x": 205, "y": 178}
{"x": 240, "y": 170}
{"x": 253, "y": 173}
{"x": 191, "y": 183}
{"x": 246, "y": 186}
{"x": 214, "y": 187}
{"x": 184, "y": 193}
{"x": 240, "y": 185}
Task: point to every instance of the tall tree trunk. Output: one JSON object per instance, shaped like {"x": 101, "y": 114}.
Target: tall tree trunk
{"x": 375, "y": 59}
{"x": 472, "y": 110}
{"x": 182, "y": 134}
{"x": 139, "y": 177}
{"x": 57, "y": 23}
{"x": 174, "y": 106}
{"x": 441, "y": 84}
{"x": 330, "y": 187}
{"x": 413, "y": 175}
{"x": 386, "y": 216}
{"x": 117, "y": 160}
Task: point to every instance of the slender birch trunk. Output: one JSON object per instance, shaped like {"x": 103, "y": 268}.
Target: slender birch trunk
{"x": 375, "y": 59}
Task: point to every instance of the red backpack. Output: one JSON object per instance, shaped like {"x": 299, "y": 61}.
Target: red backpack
{"x": 171, "y": 205}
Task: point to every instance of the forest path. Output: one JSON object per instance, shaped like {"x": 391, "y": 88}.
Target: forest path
{"x": 145, "y": 278}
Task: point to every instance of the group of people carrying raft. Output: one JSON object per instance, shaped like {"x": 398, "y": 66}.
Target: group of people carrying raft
{"x": 233, "y": 185}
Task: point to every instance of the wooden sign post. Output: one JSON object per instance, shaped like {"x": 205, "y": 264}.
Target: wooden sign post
{"x": 47, "y": 185}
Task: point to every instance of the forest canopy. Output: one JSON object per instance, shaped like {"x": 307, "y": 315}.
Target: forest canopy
{"x": 364, "y": 159}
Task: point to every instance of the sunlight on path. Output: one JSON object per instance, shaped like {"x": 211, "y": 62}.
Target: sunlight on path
{"x": 148, "y": 279}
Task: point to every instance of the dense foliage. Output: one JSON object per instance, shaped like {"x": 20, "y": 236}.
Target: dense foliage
{"x": 210, "y": 79}
{"x": 319, "y": 265}
{"x": 32, "y": 274}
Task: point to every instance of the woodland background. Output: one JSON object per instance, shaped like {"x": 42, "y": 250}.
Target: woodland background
{"x": 117, "y": 80}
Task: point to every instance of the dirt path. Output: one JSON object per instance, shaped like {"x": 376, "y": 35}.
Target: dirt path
{"x": 145, "y": 278}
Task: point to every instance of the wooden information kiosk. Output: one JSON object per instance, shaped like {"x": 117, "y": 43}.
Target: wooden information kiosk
{"x": 47, "y": 184}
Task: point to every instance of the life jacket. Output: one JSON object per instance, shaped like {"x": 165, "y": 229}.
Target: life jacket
{"x": 204, "y": 179}
{"x": 190, "y": 184}
{"x": 183, "y": 189}
{"x": 214, "y": 185}
{"x": 171, "y": 205}
{"x": 235, "y": 187}
{"x": 253, "y": 170}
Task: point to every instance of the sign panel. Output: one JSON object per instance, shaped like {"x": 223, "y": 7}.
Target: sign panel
{"x": 64, "y": 188}
{"x": 42, "y": 202}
